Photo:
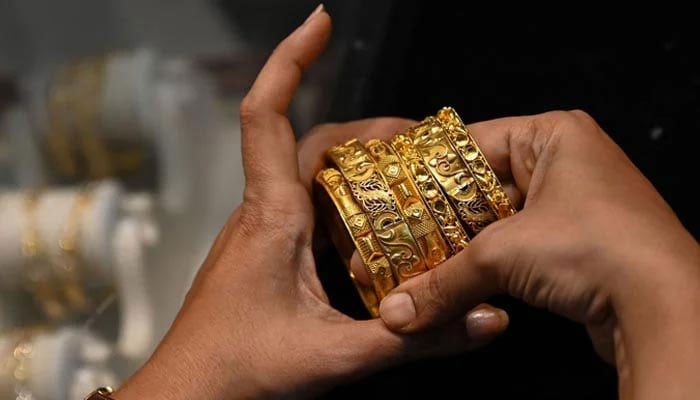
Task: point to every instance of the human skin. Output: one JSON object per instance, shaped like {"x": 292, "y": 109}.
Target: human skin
{"x": 256, "y": 322}
{"x": 593, "y": 242}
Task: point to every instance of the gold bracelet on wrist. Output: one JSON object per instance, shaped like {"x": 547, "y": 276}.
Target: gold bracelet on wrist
{"x": 370, "y": 190}
{"x": 410, "y": 203}
{"x": 351, "y": 230}
{"x": 453, "y": 174}
{"x": 430, "y": 190}
{"x": 481, "y": 170}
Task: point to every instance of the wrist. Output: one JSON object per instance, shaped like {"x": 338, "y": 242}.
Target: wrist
{"x": 194, "y": 365}
{"x": 658, "y": 313}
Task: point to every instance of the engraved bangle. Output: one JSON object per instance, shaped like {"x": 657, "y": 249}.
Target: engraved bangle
{"x": 429, "y": 188}
{"x": 350, "y": 230}
{"x": 370, "y": 190}
{"x": 410, "y": 203}
{"x": 478, "y": 164}
{"x": 453, "y": 174}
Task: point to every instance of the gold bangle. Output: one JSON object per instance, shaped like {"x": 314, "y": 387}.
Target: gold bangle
{"x": 68, "y": 263}
{"x": 350, "y": 230}
{"x": 59, "y": 141}
{"x": 16, "y": 366}
{"x": 430, "y": 190}
{"x": 478, "y": 164}
{"x": 370, "y": 190}
{"x": 74, "y": 119}
{"x": 453, "y": 174}
{"x": 37, "y": 270}
{"x": 410, "y": 203}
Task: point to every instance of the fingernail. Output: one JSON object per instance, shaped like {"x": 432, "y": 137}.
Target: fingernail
{"x": 484, "y": 323}
{"x": 397, "y": 310}
{"x": 315, "y": 12}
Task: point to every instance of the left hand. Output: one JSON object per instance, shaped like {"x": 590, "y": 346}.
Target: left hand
{"x": 256, "y": 322}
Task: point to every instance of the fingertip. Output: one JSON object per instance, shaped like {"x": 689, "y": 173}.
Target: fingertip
{"x": 316, "y": 30}
{"x": 484, "y": 324}
{"x": 397, "y": 311}
{"x": 359, "y": 270}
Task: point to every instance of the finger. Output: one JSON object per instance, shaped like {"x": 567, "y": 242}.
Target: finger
{"x": 358, "y": 269}
{"x": 602, "y": 339}
{"x": 436, "y": 296}
{"x": 513, "y": 145}
{"x": 312, "y": 147}
{"x": 269, "y": 151}
{"x": 374, "y": 347}
{"x": 445, "y": 293}
{"x": 484, "y": 323}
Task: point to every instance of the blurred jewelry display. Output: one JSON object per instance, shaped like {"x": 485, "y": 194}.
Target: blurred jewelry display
{"x": 73, "y": 111}
{"x": 69, "y": 251}
{"x": 55, "y": 280}
{"x": 408, "y": 205}
{"x": 15, "y": 352}
{"x": 38, "y": 363}
{"x": 105, "y": 138}
{"x": 100, "y": 152}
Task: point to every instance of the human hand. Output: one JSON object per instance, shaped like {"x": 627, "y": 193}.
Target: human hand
{"x": 594, "y": 242}
{"x": 256, "y": 322}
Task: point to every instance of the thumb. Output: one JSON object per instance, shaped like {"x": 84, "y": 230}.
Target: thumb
{"x": 368, "y": 345}
{"x": 450, "y": 290}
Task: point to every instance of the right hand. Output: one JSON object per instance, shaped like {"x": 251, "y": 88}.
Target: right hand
{"x": 594, "y": 242}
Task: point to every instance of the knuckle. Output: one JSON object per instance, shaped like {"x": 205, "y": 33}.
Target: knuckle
{"x": 586, "y": 122}
{"x": 573, "y": 122}
{"x": 491, "y": 251}
{"x": 436, "y": 297}
{"x": 530, "y": 137}
{"x": 261, "y": 216}
{"x": 482, "y": 256}
{"x": 248, "y": 110}
{"x": 581, "y": 114}
{"x": 547, "y": 130}
{"x": 556, "y": 116}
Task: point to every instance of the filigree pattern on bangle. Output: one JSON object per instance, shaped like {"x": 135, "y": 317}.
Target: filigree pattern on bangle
{"x": 453, "y": 174}
{"x": 482, "y": 172}
{"x": 363, "y": 238}
{"x": 410, "y": 203}
{"x": 430, "y": 190}
{"x": 371, "y": 191}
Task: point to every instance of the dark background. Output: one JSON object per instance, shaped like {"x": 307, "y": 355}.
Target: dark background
{"x": 638, "y": 76}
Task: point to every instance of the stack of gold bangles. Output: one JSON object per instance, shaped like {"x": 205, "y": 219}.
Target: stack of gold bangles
{"x": 408, "y": 205}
